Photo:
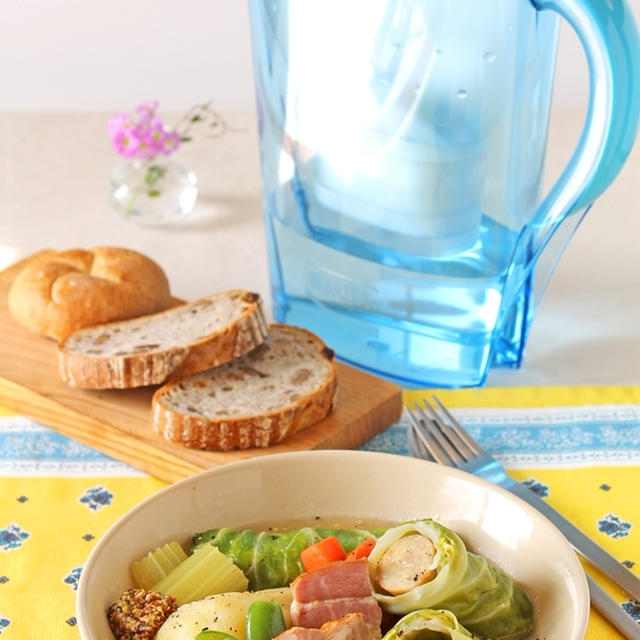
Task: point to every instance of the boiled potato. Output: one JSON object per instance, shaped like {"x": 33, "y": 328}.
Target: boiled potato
{"x": 221, "y": 612}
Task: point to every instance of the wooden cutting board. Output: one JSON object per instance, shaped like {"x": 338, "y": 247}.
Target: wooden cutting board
{"x": 118, "y": 422}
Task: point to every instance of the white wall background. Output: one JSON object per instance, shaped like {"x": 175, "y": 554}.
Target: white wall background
{"x": 109, "y": 54}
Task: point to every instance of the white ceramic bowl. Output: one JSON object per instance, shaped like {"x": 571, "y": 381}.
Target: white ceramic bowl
{"x": 345, "y": 486}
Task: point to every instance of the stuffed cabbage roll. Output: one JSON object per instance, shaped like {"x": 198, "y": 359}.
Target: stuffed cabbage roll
{"x": 272, "y": 559}
{"x": 428, "y": 624}
{"x": 424, "y": 565}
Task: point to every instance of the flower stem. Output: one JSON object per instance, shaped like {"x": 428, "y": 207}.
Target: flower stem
{"x": 153, "y": 174}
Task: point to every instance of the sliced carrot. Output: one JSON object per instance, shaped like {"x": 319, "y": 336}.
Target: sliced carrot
{"x": 322, "y": 553}
{"x": 362, "y": 550}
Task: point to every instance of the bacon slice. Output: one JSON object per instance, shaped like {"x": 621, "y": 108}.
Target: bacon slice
{"x": 316, "y": 613}
{"x": 353, "y": 626}
{"x": 342, "y": 579}
{"x": 332, "y": 592}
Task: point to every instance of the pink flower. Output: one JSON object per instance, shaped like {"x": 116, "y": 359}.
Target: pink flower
{"x": 125, "y": 142}
{"x": 119, "y": 121}
{"x": 170, "y": 142}
{"x": 153, "y": 136}
{"x": 142, "y": 134}
{"x": 145, "y": 150}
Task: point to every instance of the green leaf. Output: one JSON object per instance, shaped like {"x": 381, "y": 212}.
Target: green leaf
{"x": 154, "y": 193}
{"x": 154, "y": 173}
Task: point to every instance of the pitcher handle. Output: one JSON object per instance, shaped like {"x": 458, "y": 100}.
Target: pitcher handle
{"x": 610, "y": 39}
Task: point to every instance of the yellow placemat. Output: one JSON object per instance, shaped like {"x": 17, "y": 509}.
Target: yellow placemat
{"x": 57, "y": 497}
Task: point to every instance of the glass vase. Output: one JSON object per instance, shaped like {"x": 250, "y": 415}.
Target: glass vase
{"x": 154, "y": 191}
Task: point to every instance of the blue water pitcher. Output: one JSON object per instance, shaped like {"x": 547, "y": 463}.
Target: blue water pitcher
{"x": 402, "y": 149}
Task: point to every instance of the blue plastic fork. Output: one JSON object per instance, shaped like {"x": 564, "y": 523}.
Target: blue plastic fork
{"x": 436, "y": 435}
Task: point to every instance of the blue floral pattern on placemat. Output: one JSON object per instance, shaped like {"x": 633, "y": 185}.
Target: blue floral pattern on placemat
{"x": 557, "y": 436}
{"x": 73, "y": 577}
{"x": 531, "y": 437}
{"x": 614, "y": 526}
{"x": 28, "y": 448}
{"x": 539, "y": 438}
{"x": 539, "y": 488}
{"x": 96, "y": 497}
{"x": 12, "y": 537}
{"x": 632, "y": 607}
{"x": 391, "y": 440}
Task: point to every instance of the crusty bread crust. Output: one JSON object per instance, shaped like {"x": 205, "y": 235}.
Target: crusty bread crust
{"x": 226, "y": 433}
{"x": 60, "y": 292}
{"x": 149, "y": 364}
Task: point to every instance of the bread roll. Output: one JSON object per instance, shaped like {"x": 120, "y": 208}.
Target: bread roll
{"x": 59, "y": 292}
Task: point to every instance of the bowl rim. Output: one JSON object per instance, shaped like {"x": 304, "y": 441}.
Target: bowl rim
{"x": 577, "y": 570}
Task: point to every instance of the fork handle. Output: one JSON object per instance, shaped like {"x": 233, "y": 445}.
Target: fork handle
{"x": 584, "y": 545}
{"x": 611, "y": 611}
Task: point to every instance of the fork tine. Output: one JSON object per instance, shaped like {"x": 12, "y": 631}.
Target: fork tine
{"x": 452, "y": 431}
{"x": 430, "y": 432}
{"x": 434, "y": 426}
{"x": 416, "y": 445}
{"x": 473, "y": 448}
{"x": 456, "y": 448}
{"x": 427, "y": 440}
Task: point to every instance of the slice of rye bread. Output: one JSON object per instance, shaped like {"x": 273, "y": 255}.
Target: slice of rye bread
{"x": 267, "y": 395}
{"x": 163, "y": 346}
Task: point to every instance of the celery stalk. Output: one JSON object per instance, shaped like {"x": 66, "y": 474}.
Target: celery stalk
{"x": 157, "y": 564}
{"x": 203, "y": 573}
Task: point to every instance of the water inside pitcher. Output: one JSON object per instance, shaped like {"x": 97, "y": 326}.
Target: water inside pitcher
{"x": 402, "y": 148}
